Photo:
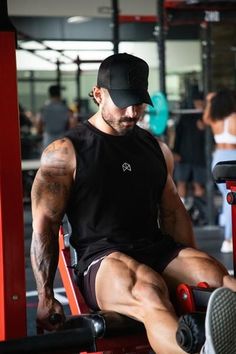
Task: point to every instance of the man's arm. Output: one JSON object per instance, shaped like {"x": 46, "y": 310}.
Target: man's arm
{"x": 174, "y": 219}
{"x": 50, "y": 194}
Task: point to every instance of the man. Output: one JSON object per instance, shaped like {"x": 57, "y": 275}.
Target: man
{"x": 190, "y": 164}
{"x": 111, "y": 179}
{"x": 55, "y": 117}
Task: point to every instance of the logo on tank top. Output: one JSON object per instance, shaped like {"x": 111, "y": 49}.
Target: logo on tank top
{"x": 126, "y": 166}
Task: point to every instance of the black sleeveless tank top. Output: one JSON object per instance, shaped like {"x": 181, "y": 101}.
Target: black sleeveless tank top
{"x": 118, "y": 185}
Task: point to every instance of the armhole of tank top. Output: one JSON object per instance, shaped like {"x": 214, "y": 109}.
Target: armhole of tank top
{"x": 77, "y": 166}
{"x": 76, "y": 157}
{"x": 163, "y": 158}
{"x": 76, "y": 161}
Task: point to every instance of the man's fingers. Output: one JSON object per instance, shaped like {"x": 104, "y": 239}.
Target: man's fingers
{"x": 56, "y": 318}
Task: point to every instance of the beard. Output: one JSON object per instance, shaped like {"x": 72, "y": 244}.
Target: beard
{"x": 122, "y": 125}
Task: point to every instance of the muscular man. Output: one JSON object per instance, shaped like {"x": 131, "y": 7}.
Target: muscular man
{"x": 131, "y": 231}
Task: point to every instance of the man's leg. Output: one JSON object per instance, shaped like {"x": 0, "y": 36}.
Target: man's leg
{"x": 198, "y": 190}
{"x": 133, "y": 289}
{"x": 221, "y": 311}
{"x": 192, "y": 266}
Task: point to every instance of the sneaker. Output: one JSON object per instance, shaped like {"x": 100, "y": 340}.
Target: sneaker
{"x": 227, "y": 246}
{"x": 220, "y": 323}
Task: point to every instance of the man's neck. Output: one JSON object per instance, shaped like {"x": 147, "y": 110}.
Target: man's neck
{"x": 98, "y": 122}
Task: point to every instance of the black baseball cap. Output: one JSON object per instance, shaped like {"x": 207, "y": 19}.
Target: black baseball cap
{"x": 125, "y": 77}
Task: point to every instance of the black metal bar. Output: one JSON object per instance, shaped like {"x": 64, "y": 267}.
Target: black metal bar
{"x": 69, "y": 341}
{"x": 5, "y": 23}
{"x": 32, "y": 92}
{"x": 115, "y": 26}
{"x": 207, "y": 87}
{"x": 58, "y": 73}
{"x": 78, "y": 76}
{"x": 161, "y": 46}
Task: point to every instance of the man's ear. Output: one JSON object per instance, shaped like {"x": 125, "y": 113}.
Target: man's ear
{"x": 97, "y": 94}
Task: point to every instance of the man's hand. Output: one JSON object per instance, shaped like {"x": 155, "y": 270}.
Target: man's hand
{"x": 50, "y": 314}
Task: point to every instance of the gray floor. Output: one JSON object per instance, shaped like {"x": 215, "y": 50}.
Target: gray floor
{"x": 208, "y": 239}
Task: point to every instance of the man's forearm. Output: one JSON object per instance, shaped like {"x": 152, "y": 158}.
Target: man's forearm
{"x": 44, "y": 259}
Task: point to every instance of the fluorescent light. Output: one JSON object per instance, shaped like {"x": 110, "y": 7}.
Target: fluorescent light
{"x": 31, "y": 45}
{"x": 68, "y": 67}
{"x": 79, "y": 45}
{"x": 87, "y": 55}
{"x": 28, "y": 61}
{"x": 52, "y": 55}
{"x": 83, "y": 67}
{"x": 89, "y": 66}
{"x": 78, "y": 19}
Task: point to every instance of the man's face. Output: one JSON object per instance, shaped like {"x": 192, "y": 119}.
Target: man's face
{"x": 120, "y": 120}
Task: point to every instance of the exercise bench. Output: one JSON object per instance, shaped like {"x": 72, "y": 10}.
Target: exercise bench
{"x": 225, "y": 172}
{"x": 190, "y": 334}
{"x": 114, "y": 333}
{"x": 118, "y": 333}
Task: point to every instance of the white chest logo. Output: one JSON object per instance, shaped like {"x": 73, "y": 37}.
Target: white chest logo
{"x": 126, "y": 166}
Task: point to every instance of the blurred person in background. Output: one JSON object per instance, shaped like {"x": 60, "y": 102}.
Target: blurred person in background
{"x": 55, "y": 117}
{"x": 190, "y": 163}
{"x": 220, "y": 115}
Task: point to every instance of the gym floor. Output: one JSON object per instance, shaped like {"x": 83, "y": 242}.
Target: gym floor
{"x": 209, "y": 239}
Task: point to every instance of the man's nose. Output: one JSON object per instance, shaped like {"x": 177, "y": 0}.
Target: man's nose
{"x": 131, "y": 111}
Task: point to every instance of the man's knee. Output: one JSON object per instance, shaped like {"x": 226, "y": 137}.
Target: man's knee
{"x": 193, "y": 266}
{"x": 209, "y": 269}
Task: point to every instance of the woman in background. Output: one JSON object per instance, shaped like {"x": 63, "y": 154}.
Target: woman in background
{"x": 220, "y": 114}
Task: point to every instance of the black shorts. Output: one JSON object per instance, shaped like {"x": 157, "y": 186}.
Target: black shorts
{"x": 187, "y": 172}
{"x": 156, "y": 255}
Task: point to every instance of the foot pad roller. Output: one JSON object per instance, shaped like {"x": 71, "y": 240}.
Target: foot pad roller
{"x": 191, "y": 332}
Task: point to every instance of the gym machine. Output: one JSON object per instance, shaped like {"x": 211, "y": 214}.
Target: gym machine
{"x": 190, "y": 335}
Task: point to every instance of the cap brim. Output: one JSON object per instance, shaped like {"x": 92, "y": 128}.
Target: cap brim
{"x": 126, "y": 98}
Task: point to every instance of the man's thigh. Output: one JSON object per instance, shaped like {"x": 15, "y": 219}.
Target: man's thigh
{"x": 126, "y": 286}
{"x": 192, "y": 266}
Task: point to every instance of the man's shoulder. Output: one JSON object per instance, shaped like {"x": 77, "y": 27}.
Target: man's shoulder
{"x": 77, "y": 132}
{"x": 147, "y": 135}
{"x": 57, "y": 155}
{"x": 144, "y": 132}
{"x": 80, "y": 136}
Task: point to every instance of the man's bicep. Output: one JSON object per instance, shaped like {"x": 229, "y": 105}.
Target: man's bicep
{"x": 170, "y": 198}
{"x": 49, "y": 199}
{"x": 174, "y": 219}
{"x": 52, "y": 185}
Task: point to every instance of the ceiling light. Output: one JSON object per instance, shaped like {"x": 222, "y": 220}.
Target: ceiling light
{"x": 78, "y": 19}
{"x": 88, "y": 55}
{"x": 31, "y": 45}
{"x": 79, "y": 45}
{"x": 29, "y": 61}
